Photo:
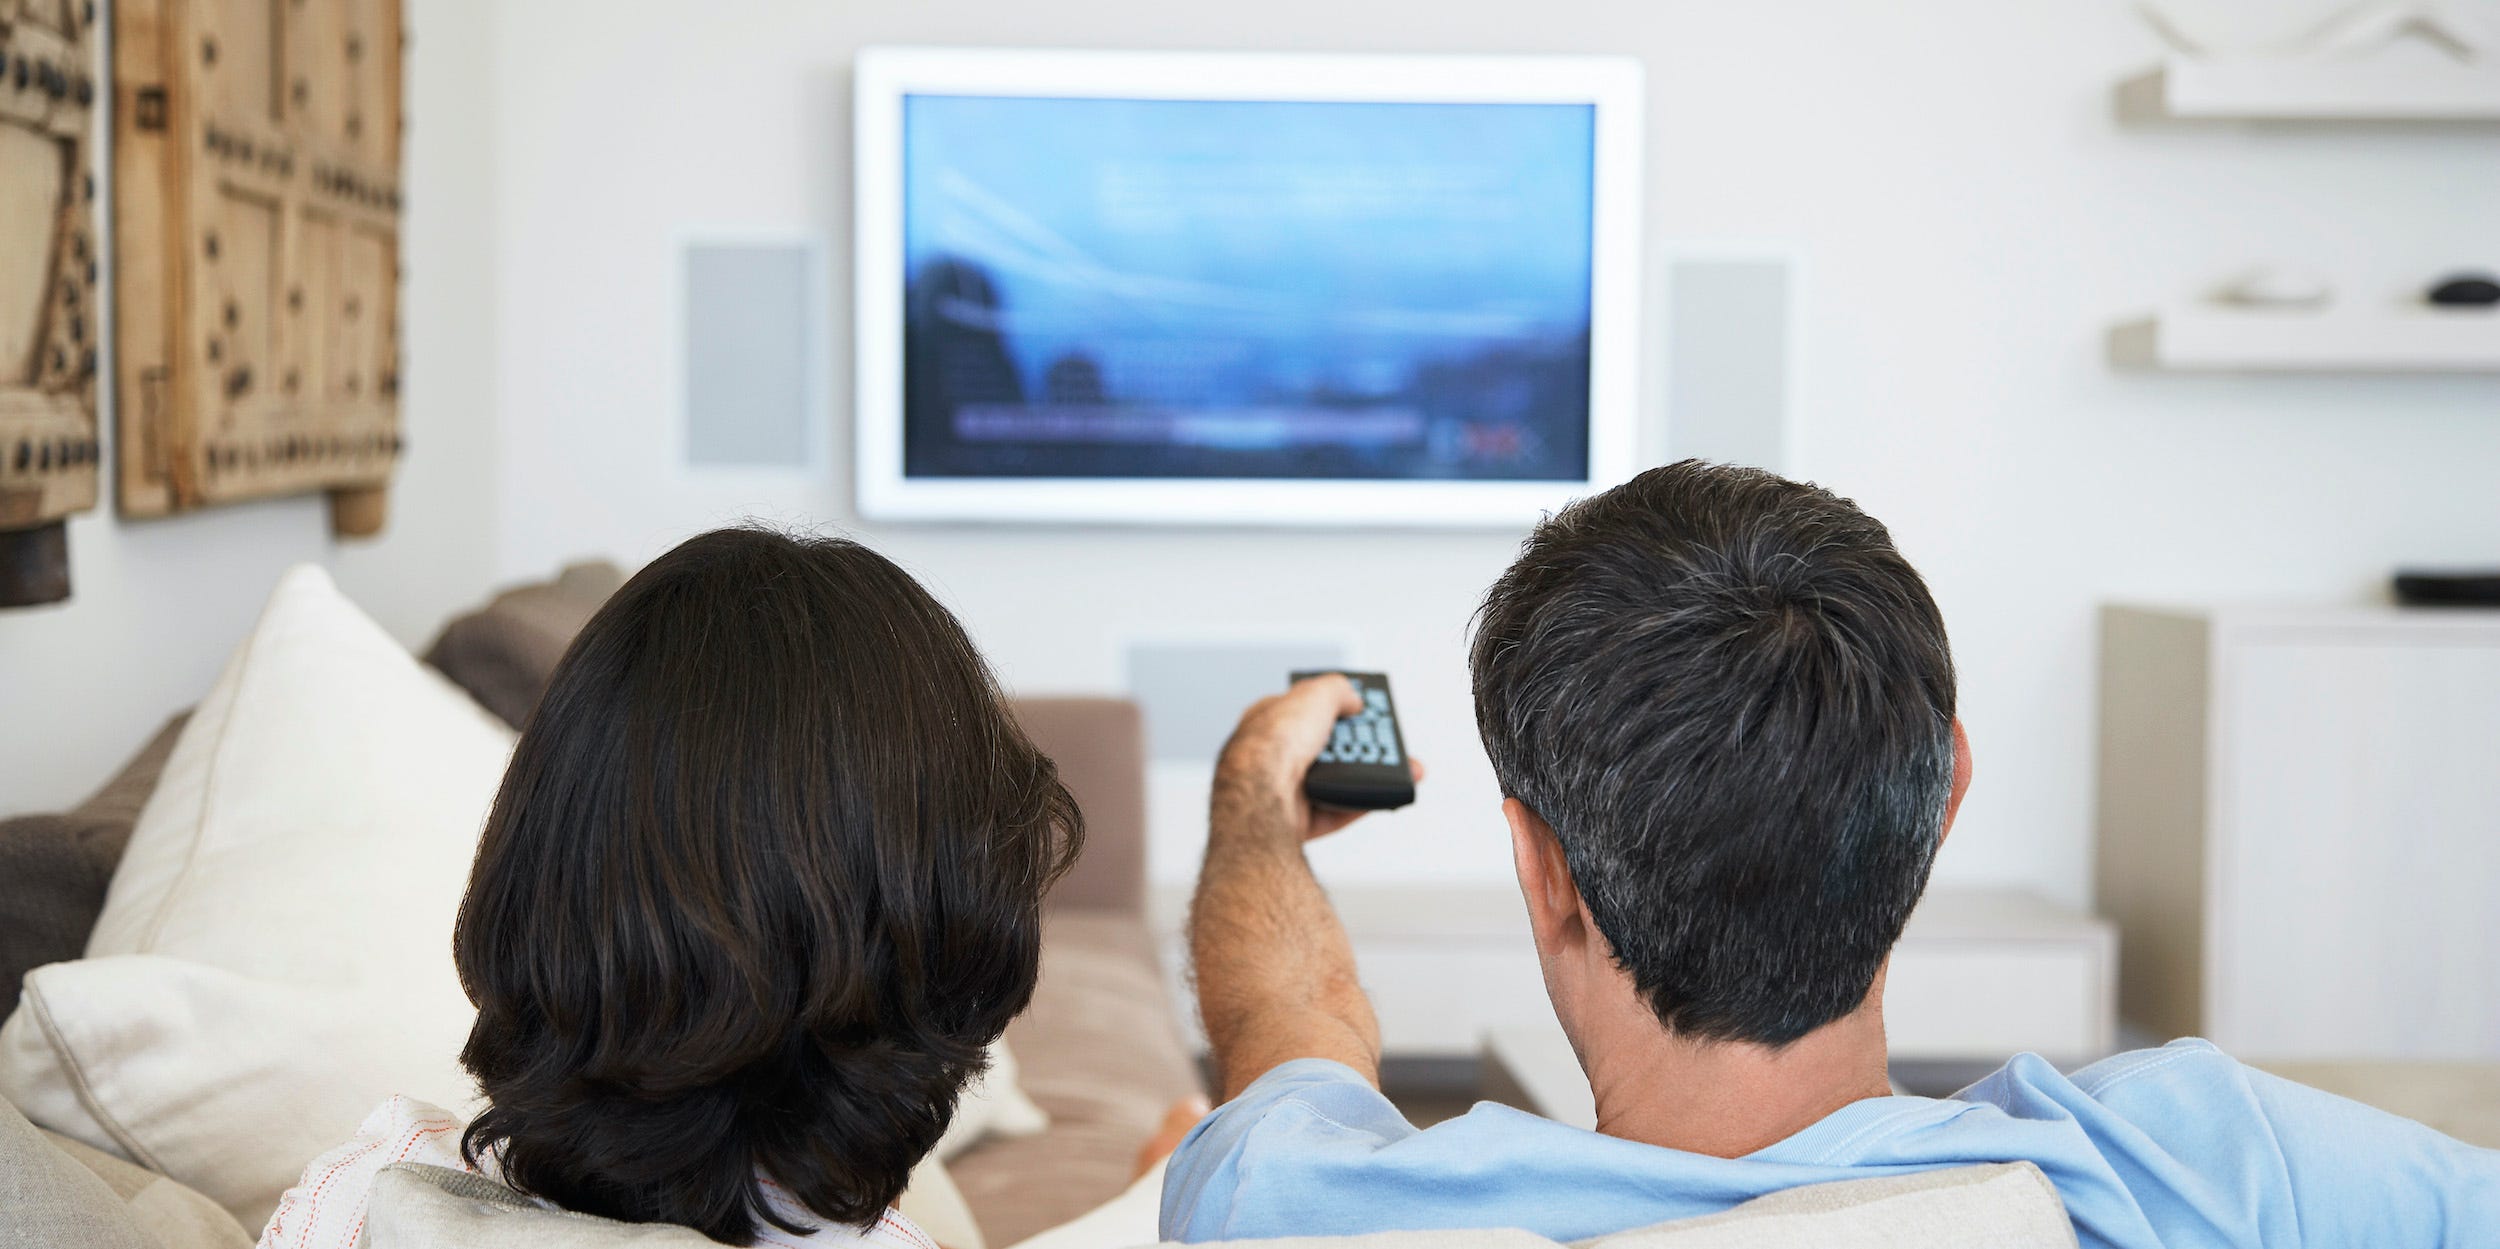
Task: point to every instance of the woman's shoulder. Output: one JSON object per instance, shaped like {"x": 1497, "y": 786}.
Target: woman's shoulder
{"x": 326, "y": 1208}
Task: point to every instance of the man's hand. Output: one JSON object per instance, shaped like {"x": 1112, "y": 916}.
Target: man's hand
{"x": 1274, "y": 745}
{"x": 1275, "y": 973}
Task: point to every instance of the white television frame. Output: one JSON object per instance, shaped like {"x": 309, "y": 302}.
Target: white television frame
{"x": 884, "y": 76}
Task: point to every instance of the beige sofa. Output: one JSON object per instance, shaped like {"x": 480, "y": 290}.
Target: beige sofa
{"x": 1100, "y": 1049}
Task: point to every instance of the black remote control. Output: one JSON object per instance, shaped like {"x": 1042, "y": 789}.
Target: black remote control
{"x": 1363, "y": 766}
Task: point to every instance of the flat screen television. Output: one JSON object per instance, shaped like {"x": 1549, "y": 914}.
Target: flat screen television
{"x": 1243, "y": 288}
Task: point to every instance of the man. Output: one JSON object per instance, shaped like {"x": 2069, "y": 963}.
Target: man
{"x": 1721, "y": 708}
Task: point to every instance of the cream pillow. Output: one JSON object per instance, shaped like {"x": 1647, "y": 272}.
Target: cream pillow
{"x": 274, "y": 955}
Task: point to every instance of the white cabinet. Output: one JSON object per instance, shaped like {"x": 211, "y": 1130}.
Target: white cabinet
{"x": 2300, "y": 828}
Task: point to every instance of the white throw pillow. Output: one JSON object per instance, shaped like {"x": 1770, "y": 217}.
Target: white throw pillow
{"x": 993, "y": 1104}
{"x": 274, "y": 955}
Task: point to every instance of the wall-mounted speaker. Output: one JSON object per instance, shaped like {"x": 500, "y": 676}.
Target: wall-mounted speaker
{"x": 753, "y": 335}
{"x": 1193, "y": 693}
{"x": 1728, "y": 356}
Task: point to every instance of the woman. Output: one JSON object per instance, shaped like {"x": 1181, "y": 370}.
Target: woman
{"x": 763, "y": 882}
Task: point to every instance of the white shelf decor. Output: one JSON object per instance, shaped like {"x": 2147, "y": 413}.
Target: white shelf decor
{"x": 2190, "y": 88}
{"x": 2209, "y": 339}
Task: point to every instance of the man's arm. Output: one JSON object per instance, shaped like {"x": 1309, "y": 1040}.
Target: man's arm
{"x": 1275, "y": 973}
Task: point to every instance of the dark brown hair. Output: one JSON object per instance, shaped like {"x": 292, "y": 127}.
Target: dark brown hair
{"x": 1732, "y": 700}
{"x": 763, "y": 881}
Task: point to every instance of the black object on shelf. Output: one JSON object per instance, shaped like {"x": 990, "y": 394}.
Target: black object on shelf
{"x": 2475, "y": 588}
{"x": 2466, "y": 290}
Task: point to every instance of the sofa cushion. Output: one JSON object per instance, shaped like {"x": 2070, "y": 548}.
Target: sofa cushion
{"x": 55, "y": 1191}
{"x": 1100, "y": 747}
{"x": 1102, "y": 1054}
{"x": 2005, "y": 1206}
{"x": 58, "y": 865}
{"x": 274, "y": 956}
{"x": 503, "y": 653}
{"x": 172, "y": 1215}
{"x": 47, "y": 1198}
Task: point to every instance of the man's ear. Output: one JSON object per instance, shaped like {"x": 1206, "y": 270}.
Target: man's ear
{"x": 1961, "y": 779}
{"x": 1545, "y": 881}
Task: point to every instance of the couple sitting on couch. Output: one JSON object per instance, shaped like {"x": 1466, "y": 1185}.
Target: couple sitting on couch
{"x": 765, "y": 878}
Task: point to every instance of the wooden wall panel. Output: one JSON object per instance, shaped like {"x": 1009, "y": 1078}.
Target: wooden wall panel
{"x": 256, "y": 160}
{"x": 48, "y": 265}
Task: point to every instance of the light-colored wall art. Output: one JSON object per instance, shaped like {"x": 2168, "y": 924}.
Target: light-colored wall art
{"x": 256, "y": 192}
{"x": 48, "y": 329}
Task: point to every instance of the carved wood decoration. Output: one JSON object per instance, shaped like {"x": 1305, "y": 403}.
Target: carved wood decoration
{"x": 256, "y": 193}
{"x": 48, "y": 317}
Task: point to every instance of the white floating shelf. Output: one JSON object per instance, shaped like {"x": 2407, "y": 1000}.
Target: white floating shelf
{"x": 2260, "y": 90}
{"x": 2220, "y": 340}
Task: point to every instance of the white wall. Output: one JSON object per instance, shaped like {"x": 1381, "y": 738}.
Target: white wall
{"x": 157, "y": 604}
{"x": 1970, "y": 216}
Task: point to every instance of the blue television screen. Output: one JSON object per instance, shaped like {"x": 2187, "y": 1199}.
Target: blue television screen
{"x": 1140, "y": 288}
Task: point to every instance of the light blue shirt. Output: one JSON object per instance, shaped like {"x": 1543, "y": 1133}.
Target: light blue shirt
{"x": 2158, "y": 1149}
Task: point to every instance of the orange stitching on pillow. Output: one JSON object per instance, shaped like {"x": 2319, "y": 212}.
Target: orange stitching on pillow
{"x": 312, "y": 1216}
{"x": 355, "y": 1234}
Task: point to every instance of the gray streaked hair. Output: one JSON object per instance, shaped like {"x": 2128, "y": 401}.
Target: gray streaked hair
{"x": 1732, "y": 700}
